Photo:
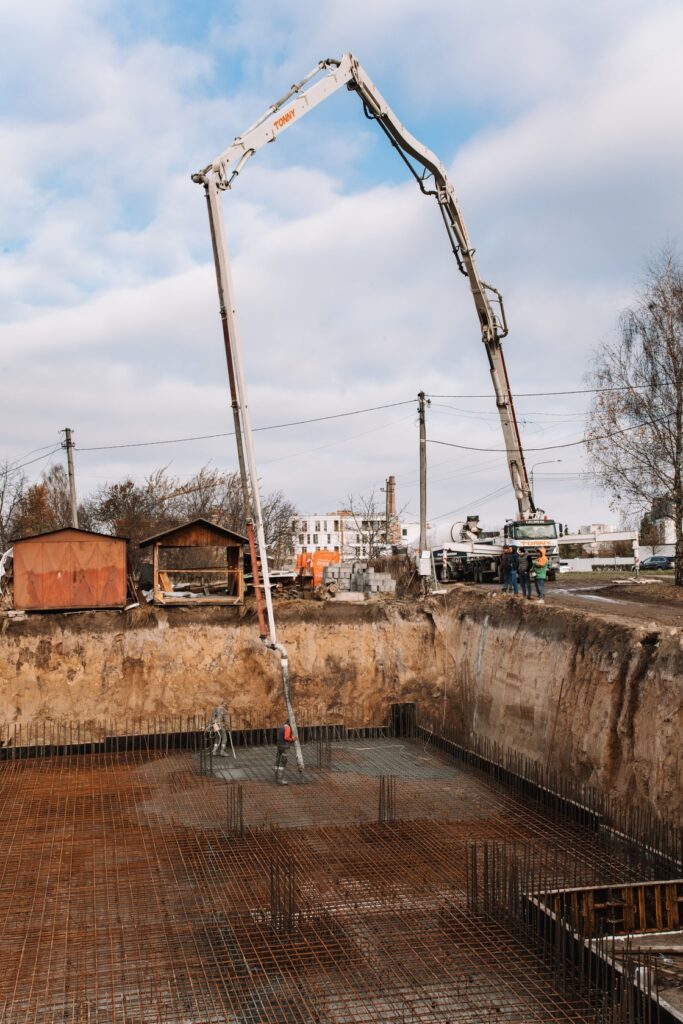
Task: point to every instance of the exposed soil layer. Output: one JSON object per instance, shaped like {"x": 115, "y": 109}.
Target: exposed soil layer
{"x": 598, "y": 696}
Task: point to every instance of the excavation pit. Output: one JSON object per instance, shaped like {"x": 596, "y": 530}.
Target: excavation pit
{"x": 128, "y": 892}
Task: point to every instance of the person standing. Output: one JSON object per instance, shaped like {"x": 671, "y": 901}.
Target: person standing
{"x": 285, "y": 738}
{"x": 540, "y": 567}
{"x": 513, "y": 570}
{"x": 505, "y": 568}
{"x": 218, "y": 731}
{"x": 525, "y": 564}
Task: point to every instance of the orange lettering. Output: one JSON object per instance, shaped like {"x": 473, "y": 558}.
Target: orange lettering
{"x": 280, "y": 122}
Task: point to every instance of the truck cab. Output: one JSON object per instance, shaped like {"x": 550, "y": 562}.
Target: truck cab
{"x": 528, "y": 535}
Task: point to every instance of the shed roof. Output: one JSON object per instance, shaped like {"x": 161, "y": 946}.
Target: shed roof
{"x": 68, "y": 529}
{"x": 219, "y": 532}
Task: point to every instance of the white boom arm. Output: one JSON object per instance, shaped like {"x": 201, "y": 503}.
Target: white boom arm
{"x": 326, "y": 78}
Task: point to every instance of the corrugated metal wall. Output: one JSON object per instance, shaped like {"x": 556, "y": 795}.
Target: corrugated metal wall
{"x": 69, "y": 569}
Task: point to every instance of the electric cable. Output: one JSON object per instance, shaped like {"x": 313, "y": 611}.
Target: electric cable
{"x": 552, "y": 447}
{"x": 474, "y": 501}
{"x": 33, "y": 450}
{"x": 330, "y": 444}
{"x": 358, "y": 412}
{"x": 231, "y": 433}
{"x": 581, "y": 391}
{"x": 14, "y": 468}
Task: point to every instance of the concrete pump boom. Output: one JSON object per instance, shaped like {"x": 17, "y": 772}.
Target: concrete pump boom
{"x": 326, "y": 78}
{"x": 321, "y": 82}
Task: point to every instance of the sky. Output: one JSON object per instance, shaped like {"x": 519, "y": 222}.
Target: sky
{"x": 559, "y": 124}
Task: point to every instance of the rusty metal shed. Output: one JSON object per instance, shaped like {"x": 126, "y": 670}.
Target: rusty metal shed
{"x": 70, "y": 569}
{"x": 220, "y": 577}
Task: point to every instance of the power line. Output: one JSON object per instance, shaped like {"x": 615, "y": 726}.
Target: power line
{"x": 231, "y": 433}
{"x": 14, "y": 468}
{"x": 553, "y": 447}
{"x": 526, "y": 417}
{"x": 42, "y": 449}
{"x": 581, "y": 391}
{"x": 358, "y": 412}
{"x": 330, "y": 444}
{"x": 474, "y": 501}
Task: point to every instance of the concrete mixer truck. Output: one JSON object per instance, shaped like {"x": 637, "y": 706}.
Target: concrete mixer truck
{"x": 463, "y": 551}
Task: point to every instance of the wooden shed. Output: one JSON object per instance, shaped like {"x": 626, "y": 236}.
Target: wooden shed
{"x": 197, "y": 563}
{"x": 68, "y": 569}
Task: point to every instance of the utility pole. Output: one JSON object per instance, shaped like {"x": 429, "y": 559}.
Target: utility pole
{"x": 69, "y": 445}
{"x": 423, "y": 470}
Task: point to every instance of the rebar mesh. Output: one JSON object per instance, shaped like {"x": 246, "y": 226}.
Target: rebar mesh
{"x": 134, "y": 888}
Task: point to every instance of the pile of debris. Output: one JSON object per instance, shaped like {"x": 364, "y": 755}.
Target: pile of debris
{"x": 358, "y": 577}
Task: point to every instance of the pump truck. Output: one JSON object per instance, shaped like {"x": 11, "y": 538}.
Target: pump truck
{"x": 221, "y": 174}
{"x": 430, "y": 174}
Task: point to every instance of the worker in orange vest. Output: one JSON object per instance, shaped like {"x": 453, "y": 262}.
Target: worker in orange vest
{"x": 285, "y": 737}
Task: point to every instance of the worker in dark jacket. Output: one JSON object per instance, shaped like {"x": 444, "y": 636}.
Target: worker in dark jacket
{"x": 513, "y": 571}
{"x": 525, "y": 564}
{"x": 505, "y": 568}
{"x": 285, "y": 738}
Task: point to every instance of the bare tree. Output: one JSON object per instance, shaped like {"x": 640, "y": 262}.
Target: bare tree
{"x": 278, "y": 512}
{"x": 162, "y": 501}
{"x": 12, "y": 488}
{"x": 635, "y": 424}
{"x": 44, "y": 506}
{"x": 368, "y": 519}
{"x": 132, "y": 510}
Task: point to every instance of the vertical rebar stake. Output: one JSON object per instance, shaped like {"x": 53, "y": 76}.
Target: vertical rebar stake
{"x": 324, "y": 750}
{"x": 387, "y": 799}
{"x": 283, "y": 912}
{"x": 235, "y": 808}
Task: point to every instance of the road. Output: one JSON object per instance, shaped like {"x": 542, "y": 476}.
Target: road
{"x": 652, "y": 602}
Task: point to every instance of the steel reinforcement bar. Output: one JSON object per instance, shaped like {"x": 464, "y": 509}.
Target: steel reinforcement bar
{"x": 130, "y": 892}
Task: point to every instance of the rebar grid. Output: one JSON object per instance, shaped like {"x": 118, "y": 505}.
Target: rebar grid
{"x": 510, "y": 884}
{"x": 127, "y": 894}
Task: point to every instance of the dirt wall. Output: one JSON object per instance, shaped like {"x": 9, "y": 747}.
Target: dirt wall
{"x": 602, "y": 701}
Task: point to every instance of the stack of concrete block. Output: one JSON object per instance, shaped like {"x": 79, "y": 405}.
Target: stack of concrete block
{"x": 369, "y": 581}
{"x": 359, "y": 577}
{"x": 339, "y": 574}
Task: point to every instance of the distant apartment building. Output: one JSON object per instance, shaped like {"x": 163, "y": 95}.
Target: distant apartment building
{"x": 662, "y": 516}
{"x": 352, "y": 535}
{"x": 668, "y": 530}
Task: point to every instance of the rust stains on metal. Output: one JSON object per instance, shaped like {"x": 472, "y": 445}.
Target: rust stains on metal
{"x": 70, "y": 569}
{"x": 133, "y": 888}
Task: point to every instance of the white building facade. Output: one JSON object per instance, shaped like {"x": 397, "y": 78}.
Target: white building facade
{"x": 352, "y": 535}
{"x": 599, "y": 528}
